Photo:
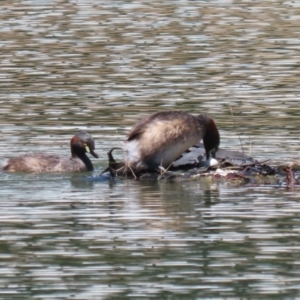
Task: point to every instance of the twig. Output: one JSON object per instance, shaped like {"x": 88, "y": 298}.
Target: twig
{"x": 164, "y": 170}
{"x": 290, "y": 179}
{"x": 128, "y": 165}
{"x": 236, "y": 127}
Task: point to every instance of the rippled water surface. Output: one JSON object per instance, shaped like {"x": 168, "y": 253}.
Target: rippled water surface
{"x": 100, "y": 66}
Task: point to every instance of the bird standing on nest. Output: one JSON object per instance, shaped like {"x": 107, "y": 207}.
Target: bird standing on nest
{"x": 161, "y": 138}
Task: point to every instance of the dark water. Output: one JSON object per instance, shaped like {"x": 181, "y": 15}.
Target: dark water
{"x": 100, "y": 66}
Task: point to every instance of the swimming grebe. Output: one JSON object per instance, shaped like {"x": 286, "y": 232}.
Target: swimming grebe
{"x": 160, "y": 139}
{"x": 80, "y": 144}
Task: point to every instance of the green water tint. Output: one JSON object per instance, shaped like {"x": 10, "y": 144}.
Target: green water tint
{"x": 100, "y": 66}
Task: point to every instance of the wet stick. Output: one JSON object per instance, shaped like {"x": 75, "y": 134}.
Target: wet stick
{"x": 236, "y": 127}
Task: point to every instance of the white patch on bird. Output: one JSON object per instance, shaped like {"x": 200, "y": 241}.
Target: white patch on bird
{"x": 132, "y": 151}
{"x": 211, "y": 162}
{"x": 167, "y": 156}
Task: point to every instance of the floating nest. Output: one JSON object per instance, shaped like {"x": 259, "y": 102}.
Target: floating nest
{"x": 233, "y": 166}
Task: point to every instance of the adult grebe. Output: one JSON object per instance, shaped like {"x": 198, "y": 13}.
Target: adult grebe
{"x": 80, "y": 144}
{"x": 161, "y": 138}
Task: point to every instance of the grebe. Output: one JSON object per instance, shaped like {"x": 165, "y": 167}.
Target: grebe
{"x": 161, "y": 138}
{"x": 80, "y": 144}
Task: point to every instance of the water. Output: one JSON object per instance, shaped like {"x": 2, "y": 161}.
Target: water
{"x": 100, "y": 66}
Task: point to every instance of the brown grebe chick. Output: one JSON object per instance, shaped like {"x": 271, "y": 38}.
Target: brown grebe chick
{"x": 161, "y": 138}
{"x": 80, "y": 144}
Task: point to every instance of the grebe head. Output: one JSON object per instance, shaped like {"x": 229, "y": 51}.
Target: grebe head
{"x": 82, "y": 143}
{"x": 211, "y": 139}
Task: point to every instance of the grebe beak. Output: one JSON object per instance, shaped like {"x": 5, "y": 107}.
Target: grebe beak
{"x": 94, "y": 153}
{"x": 88, "y": 150}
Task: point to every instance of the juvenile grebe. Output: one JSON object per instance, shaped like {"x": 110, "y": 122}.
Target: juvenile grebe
{"x": 161, "y": 138}
{"x": 80, "y": 144}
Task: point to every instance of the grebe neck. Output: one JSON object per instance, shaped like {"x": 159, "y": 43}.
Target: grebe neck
{"x": 85, "y": 160}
